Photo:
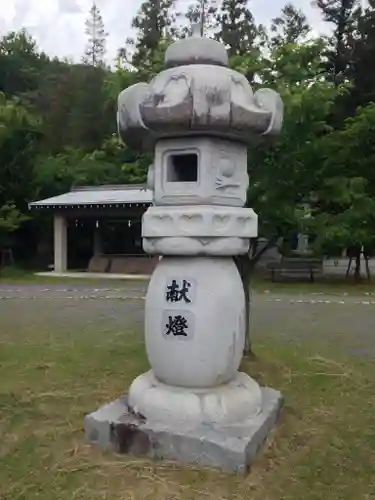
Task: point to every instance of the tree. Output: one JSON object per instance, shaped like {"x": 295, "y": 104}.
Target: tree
{"x": 74, "y": 95}
{"x": 10, "y": 220}
{"x": 54, "y": 100}
{"x": 91, "y": 118}
{"x": 19, "y": 134}
{"x": 242, "y": 36}
{"x": 96, "y": 47}
{"x": 111, "y": 164}
{"x": 20, "y": 64}
{"x": 343, "y": 214}
{"x": 237, "y": 28}
{"x": 363, "y": 89}
{"x": 118, "y": 80}
{"x": 285, "y": 172}
{"x": 153, "y": 23}
{"x": 342, "y": 14}
{"x": 201, "y": 12}
{"x": 290, "y": 27}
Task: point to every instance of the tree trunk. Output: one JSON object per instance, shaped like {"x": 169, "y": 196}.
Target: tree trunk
{"x": 357, "y": 270}
{"x": 246, "y": 284}
{"x": 245, "y": 265}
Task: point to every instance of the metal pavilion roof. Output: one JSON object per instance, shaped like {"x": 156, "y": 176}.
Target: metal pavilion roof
{"x": 98, "y": 197}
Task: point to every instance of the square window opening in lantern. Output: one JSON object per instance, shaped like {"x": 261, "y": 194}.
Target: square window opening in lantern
{"x": 182, "y": 167}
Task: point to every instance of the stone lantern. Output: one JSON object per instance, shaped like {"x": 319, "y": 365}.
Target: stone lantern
{"x": 198, "y": 117}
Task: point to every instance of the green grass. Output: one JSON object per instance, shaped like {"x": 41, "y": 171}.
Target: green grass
{"x": 323, "y": 447}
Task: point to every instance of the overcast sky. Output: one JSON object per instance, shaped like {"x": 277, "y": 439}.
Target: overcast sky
{"x": 58, "y": 25}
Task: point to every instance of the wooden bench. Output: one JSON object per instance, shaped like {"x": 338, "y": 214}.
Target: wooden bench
{"x": 296, "y": 268}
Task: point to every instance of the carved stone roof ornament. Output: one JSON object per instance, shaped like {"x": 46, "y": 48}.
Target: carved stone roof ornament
{"x": 197, "y": 94}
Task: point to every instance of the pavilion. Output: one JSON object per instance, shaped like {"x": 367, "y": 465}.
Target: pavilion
{"x": 111, "y": 216}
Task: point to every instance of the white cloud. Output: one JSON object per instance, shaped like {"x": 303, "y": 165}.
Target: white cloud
{"x": 32, "y": 13}
{"x": 58, "y": 25}
{"x": 69, "y": 6}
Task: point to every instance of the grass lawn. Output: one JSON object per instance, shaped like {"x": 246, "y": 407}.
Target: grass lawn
{"x": 52, "y": 375}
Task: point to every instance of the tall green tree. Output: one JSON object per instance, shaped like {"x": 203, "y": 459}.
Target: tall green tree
{"x": 343, "y": 214}
{"x": 201, "y": 12}
{"x": 291, "y": 26}
{"x": 53, "y": 101}
{"x": 285, "y": 173}
{"x": 74, "y": 95}
{"x": 238, "y": 29}
{"x": 342, "y": 15}
{"x": 11, "y": 218}
{"x": 20, "y": 63}
{"x": 91, "y": 118}
{"x": 363, "y": 55}
{"x": 97, "y": 37}
{"x": 19, "y": 134}
{"x": 153, "y": 24}
{"x": 244, "y": 38}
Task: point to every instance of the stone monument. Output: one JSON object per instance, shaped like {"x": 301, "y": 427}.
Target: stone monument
{"x": 193, "y": 406}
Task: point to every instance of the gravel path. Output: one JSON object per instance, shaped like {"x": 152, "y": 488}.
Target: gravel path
{"x": 345, "y": 322}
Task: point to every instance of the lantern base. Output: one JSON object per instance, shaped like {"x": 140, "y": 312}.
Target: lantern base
{"x": 232, "y": 449}
{"x": 186, "y": 408}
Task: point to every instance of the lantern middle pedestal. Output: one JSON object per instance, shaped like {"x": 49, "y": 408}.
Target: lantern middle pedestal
{"x": 195, "y": 335}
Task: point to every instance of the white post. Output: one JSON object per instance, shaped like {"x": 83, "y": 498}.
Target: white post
{"x": 303, "y": 243}
{"x": 97, "y": 242}
{"x": 60, "y": 244}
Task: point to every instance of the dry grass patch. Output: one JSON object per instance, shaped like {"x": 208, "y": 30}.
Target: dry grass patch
{"x": 323, "y": 448}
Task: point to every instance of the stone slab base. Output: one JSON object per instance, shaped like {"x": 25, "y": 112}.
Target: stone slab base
{"x": 232, "y": 449}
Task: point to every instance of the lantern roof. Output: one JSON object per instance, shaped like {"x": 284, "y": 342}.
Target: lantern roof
{"x": 197, "y": 94}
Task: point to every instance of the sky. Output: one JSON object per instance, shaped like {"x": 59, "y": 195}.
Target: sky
{"x": 58, "y": 25}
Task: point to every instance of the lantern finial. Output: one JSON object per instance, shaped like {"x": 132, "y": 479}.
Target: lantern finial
{"x": 196, "y": 30}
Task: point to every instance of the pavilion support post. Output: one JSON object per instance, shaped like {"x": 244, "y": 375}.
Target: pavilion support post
{"x": 60, "y": 244}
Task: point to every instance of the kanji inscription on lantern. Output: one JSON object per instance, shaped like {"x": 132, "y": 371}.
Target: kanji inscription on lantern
{"x": 179, "y": 290}
{"x": 178, "y": 324}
